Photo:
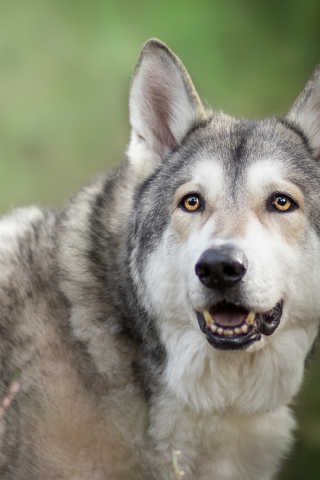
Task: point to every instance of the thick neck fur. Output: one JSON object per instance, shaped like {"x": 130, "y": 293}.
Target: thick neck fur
{"x": 95, "y": 277}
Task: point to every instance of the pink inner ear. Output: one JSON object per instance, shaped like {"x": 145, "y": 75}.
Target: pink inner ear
{"x": 158, "y": 93}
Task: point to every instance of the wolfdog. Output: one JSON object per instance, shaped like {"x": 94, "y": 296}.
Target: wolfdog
{"x": 172, "y": 303}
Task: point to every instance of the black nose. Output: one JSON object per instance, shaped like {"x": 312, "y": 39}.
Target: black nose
{"x": 221, "y": 267}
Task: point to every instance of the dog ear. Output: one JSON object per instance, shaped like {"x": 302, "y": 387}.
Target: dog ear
{"x": 163, "y": 106}
{"x": 305, "y": 112}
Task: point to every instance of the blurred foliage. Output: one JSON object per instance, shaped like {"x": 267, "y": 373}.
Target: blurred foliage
{"x": 65, "y": 68}
{"x": 304, "y": 461}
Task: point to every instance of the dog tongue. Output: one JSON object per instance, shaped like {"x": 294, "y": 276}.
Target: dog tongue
{"x": 230, "y": 316}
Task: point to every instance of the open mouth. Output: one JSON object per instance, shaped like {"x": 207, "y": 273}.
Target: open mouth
{"x": 231, "y": 327}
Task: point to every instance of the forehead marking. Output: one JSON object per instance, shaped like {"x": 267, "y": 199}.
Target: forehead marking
{"x": 207, "y": 180}
{"x": 210, "y": 181}
{"x": 263, "y": 177}
{"x": 263, "y": 173}
{"x": 209, "y": 174}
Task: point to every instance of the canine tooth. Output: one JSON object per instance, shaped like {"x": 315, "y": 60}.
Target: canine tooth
{"x": 208, "y": 318}
{"x": 220, "y": 331}
{"x": 237, "y": 331}
{"x": 250, "y": 318}
{"x": 213, "y": 328}
{"x": 244, "y": 328}
{"x": 228, "y": 332}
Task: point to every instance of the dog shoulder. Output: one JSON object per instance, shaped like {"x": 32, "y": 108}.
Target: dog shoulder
{"x": 27, "y": 283}
{"x": 26, "y": 252}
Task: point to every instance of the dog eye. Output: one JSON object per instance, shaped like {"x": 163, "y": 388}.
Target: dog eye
{"x": 283, "y": 203}
{"x": 191, "y": 202}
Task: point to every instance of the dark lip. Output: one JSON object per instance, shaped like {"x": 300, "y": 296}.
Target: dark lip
{"x": 265, "y": 324}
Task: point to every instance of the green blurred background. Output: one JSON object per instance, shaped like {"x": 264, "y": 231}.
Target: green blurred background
{"x": 65, "y": 68}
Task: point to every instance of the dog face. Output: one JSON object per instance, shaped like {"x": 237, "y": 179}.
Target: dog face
{"x": 226, "y": 234}
{"x": 232, "y": 241}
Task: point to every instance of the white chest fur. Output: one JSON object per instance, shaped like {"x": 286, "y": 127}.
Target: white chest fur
{"x": 221, "y": 446}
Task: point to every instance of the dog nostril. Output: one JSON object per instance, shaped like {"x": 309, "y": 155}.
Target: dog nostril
{"x": 202, "y": 270}
{"x": 230, "y": 271}
{"x": 234, "y": 270}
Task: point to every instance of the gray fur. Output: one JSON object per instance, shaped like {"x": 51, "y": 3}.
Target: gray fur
{"x": 108, "y": 390}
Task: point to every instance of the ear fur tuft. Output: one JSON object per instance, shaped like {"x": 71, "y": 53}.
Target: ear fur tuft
{"x": 163, "y": 106}
{"x": 305, "y": 112}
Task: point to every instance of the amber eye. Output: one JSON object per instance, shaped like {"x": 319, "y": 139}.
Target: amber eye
{"x": 282, "y": 203}
{"x": 191, "y": 202}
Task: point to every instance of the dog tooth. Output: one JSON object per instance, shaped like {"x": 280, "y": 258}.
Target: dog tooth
{"x": 220, "y": 331}
{"x": 250, "y": 318}
{"x": 213, "y": 328}
{"x": 228, "y": 332}
{"x": 237, "y": 331}
{"x": 208, "y": 318}
{"x": 244, "y": 328}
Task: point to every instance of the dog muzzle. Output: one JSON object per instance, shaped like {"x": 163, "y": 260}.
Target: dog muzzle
{"x": 231, "y": 327}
